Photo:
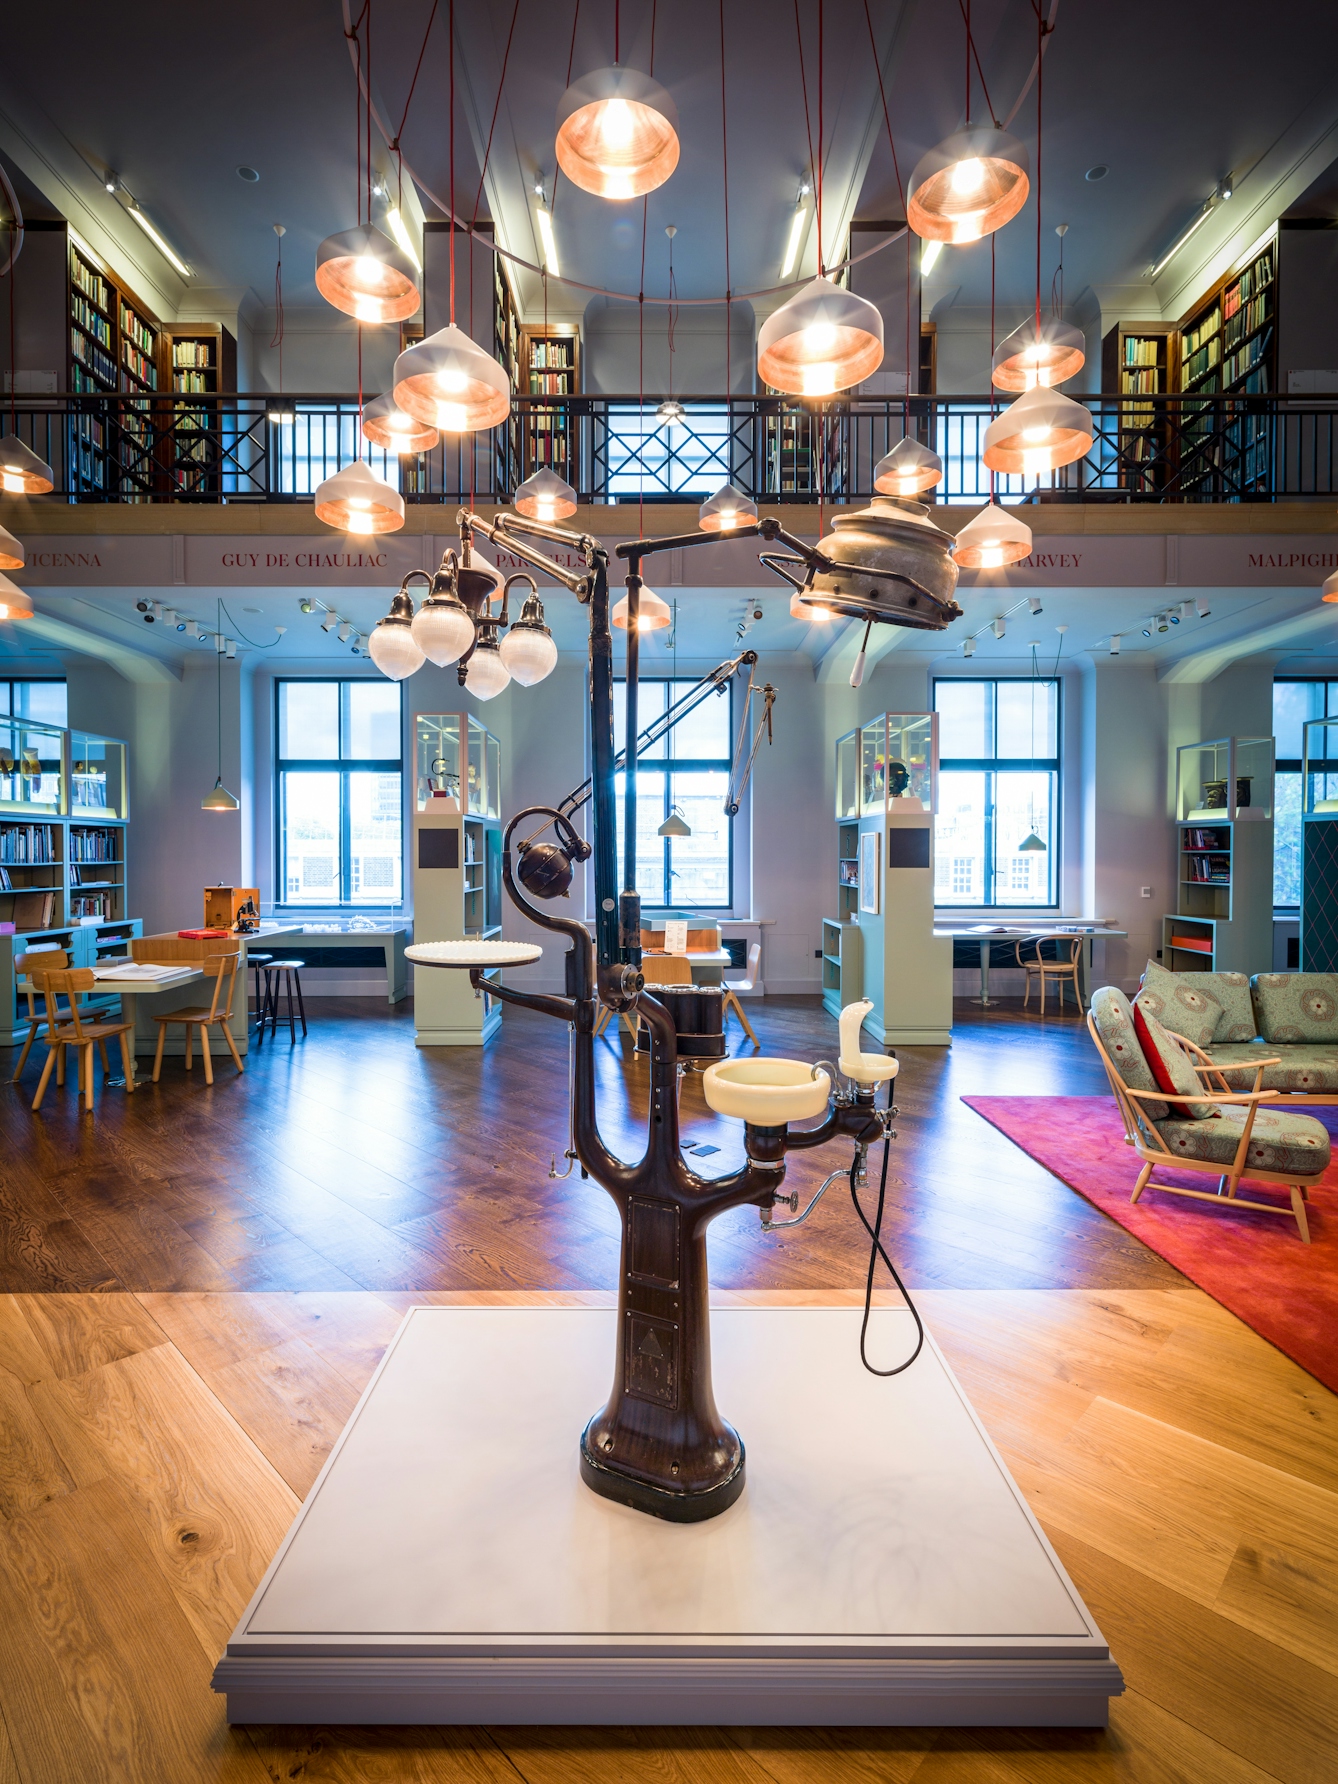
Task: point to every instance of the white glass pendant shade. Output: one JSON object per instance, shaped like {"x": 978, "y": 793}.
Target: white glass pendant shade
{"x": 669, "y": 413}
{"x": 1042, "y": 430}
{"x": 12, "y": 554}
{"x": 449, "y": 382}
{"x": 22, "y": 473}
{"x": 392, "y": 646}
{"x": 14, "y": 604}
{"x": 529, "y": 653}
{"x": 908, "y": 469}
{"x": 220, "y": 799}
{"x": 810, "y": 610}
{"x": 545, "y": 496}
{"x": 727, "y": 509}
{"x": 1329, "y": 589}
{"x": 1031, "y": 845}
{"x": 357, "y": 501}
{"x": 443, "y": 629}
{"x": 823, "y": 340}
{"x": 994, "y": 538}
{"x": 969, "y": 186}
{"x": 487, "y": 674}
{"x": 675, "y": 825}
{"x": 653, "y": 614}
{"x": 617, "y": 133}
{"x": 361, "y": 272}
{"x": 1046, "y": 355}
{"x": 385, "y": 424}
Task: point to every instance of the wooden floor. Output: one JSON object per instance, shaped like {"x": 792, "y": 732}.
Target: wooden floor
{"x": 199, "y": 1283}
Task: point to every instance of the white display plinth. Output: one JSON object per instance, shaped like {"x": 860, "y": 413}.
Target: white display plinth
{"x": 449, "y": 1566}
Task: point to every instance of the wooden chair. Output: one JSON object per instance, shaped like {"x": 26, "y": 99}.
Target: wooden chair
{"x": 45, "y": 960}
{"x": 222, "y": 969}
{"x": 67, "y": 1028}
{"x": 1062, "y": 971}
{"x": 733, "y": 986}
{"x": 1156, "y": 1151}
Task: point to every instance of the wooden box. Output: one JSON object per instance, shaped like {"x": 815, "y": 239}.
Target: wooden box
{"x": 222, "y": 903}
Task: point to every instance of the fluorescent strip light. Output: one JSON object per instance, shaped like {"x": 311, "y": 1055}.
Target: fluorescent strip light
{"x": 928, "y": 255}
{"x": 168, "y": 254}
{"x": 400, "y": 230}
{"x": 549, "y": 243}
{"x": 796, "y": 236}
{"x": 1193, "y": 229}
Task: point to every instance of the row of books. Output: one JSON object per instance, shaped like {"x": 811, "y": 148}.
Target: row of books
{"x": 1141, "y": 383}
{"x": 89, "y": 354}
{"x": 93, "y": 845}
{"x": 1141, "y": 350}
{"x": 1193, "y": 338}
{"x": 1208, "y": 870}
{"x": 91, "y": 904}
{"x": 139, "y": 366}
{"x": 1202, "y": 361}
{"x": 1252, "y": 280}
{"x": 1246, "y": 358}
{"x": 1247, "y": 319}
{"x": 91, "y": 283}
{"x": 191, "y": 381}
{"x": 551, "y": 353}
{"x": 90, "y": 320}
{"x": 550, "y": 384}
{"x": 27, "y": 845}
{"x": 138, "y": 330}
{"x": 1205, "y": 839}
{"x": 193, "y": 353}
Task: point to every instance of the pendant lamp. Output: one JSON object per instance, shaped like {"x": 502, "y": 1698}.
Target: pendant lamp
{"x": 994, "y": 538}
{"x": 670, "y": 412}
{"x": 357, "y": 501}
{"x": 727, "y": 509}
{"x": 22, "y": 473}
{"x": 675, "y": 825}
{"x": 451, "y": 383}
{"x": 12, "y": 554}
{"x": 814, "y": 610}
{"x": 1031, "y": 845}
{"x": 908, "y": 469}
{"x": 969, "y": 186}
{"x": 443, "y": 627}
{"x": 387, "y": 425}
{"x": 14, "y": 604}
{"x": 361, "y": 272}
{"x": 1329, "y": 588}
{"x": 219, "y": 798}
{"x": 1042, "y": 430}
{"x": 527, "y": 649}
{"x": 486, "y": 674}
{"x": 617, "y": 133}
{"x": 1048, "y": 354}
{"x": 653, "y": 614}
{"x": 823, "y": 340}
{"x": 392, "y": 646}
{"x": 545, "y": 496}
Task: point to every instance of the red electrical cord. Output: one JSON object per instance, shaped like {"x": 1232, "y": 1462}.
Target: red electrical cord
{"x": 973, "y": 55}
{"x": 404, "y": 117}
{"x": 1040, "y": 39}
{"x": 487, "y": 153}
{"x": 803, "y": 85}
{"x": 729, "y": 296}
{"x": 901, "y": 194}
{"x": 451, "y": 126}
{"x": 822, "y": 147}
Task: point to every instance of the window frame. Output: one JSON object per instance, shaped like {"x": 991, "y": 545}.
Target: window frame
{"x": 1295, "y": 765}
{"x": 991, "y": 767}
{"x": 668, "y": 767}
{"x": 344, "y": 767}
{"x": 13, "y": 681}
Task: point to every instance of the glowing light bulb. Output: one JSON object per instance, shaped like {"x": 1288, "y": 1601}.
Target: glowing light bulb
{"x": 398, "y": 422}
{"x": 13, "y": 482}
{"x": 1035, "y": 464}
{"x": 366, "y": 309}
{"x": 359, "y": 502}
{"x": 451, "y": 418}
{"x": 368, "y": 270}
{"x": 455, "y": 382}
{"x": 615, "y": 124}
{"x": 617, "y": 185}
{"x": 361, "y": 523}
{"x": 991, "y": 557}
{"x": 1035, "y": 434}
{"x": 819, "y": 338}
{"x": 545, "y": 511}
{"x": 646, "y": 622}
{"x": 819, "y": 380}
{"x": 967, "y": 228}
{"x": 728, "y": 522}
{"x": 906, "y": 486}
{"x": 968, "y": 176}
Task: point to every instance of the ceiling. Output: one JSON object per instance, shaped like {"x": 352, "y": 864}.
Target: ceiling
{"x": 1169, "y": 99}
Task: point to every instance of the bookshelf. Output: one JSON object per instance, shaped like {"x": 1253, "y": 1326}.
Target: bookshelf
{"x": 1319, "y": 847}
{"x": 201, "y": 360}
{"x": 1228, "y": 347}
{"x": 1223, "y": 921}
{"x": 116, "y": 348}
{"x": 552, "y": 367}
{"x": 1139, "y": 359}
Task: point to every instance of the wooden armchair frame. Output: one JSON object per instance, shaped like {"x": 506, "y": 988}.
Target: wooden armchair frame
{"x": 1142, "y": 1133}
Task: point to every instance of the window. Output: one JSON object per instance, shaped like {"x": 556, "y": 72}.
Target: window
{"x": 338, "y": 796}
{"x": 320, "y": 440}
{"x": 45, "y": 701}
{"x": 1294, "y": 702}
{"x": 998, "y": 792}
{"x": 689, "y": 769}
{"x": 644, "y": 457}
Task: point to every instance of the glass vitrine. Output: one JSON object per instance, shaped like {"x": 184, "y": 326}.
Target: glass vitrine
{"x": 457, "y": 765}
{"x": 32, "y": 767}
{"x": 847, "y": 775}
{"x": 889, "y": 767}
{"x": 1225, "y": 780}
{"x": 97, "y": 776}
{"x": 1319, "y": 768}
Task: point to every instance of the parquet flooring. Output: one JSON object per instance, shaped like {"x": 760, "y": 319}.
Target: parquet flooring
{"x": 200, "y": 1282}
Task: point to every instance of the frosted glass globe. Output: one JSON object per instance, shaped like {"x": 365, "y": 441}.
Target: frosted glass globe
{"x": 443, "y": 631}
{"x": 487, "y": 674}
{"x": 529, "y": 654}
{"x": 393, "y": 649}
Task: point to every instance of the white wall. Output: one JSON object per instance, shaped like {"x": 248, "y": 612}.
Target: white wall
{"x": 611, "y": 349}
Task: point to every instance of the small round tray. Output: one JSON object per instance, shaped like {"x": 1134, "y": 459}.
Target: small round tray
{"x": 472, "y": 953}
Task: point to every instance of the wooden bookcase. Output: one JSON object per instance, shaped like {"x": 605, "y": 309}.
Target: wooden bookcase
{"x": 1223, "y": 920}
{"x": 550, "y": 366}
{"x": 1228, "y": 347}
{"x": 116, "y": 348}
{"x": 201, "y": 359}
{"x": 1140, "y": 359}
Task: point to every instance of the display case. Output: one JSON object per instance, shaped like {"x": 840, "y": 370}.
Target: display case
{"x": 32, "y": 768}
{"x": 97, "y": 776}
{"x": 1226, "y": 780}
{"x": 1223, "y": 921}
{"x": 437, "y": 762}
{"x": 1319, "y": 846}
{"x": 888, "y": 767}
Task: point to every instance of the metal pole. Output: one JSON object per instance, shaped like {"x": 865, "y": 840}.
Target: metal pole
{"x": 629, "y": 770}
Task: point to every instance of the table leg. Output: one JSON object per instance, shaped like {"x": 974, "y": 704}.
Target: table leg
{"x": 984, "y": 999}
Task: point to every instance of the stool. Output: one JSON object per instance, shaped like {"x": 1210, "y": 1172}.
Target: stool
{"x": 258, "y": 961}
{"x": 280, "y": 973}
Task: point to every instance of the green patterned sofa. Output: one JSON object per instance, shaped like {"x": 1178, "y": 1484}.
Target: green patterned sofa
{"x": 1234, "y": 1021}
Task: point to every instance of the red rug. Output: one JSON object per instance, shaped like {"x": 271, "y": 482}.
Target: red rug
{"x": 1254, "y": 1264}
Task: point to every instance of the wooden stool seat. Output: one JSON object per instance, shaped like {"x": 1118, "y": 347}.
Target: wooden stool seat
{"x": 220, "y": 968}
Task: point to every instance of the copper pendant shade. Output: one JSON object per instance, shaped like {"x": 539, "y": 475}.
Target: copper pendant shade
{"x": 14, "y": 604}
{"x": 449, "y": 382}
{"x": 617, "y": 133}
{"x": 361, "y": 272}
{"x": 545, "y": 496}
{"x": 727, "y": 509}
{"x": 969, "y": 186}
{"x": 357, "y": 501}
{"x": 1049, "y": 354}
{"x": 908, "y": 470}
{"x": 823, "y": 340}
{"x": 385, "y": 424}
{"x": 994, "y": 538}
{"x": 1041, "y": 431}
{"x": 653, "y": 614}
{"x": 12, "y": 554}
{"x": 22, "y": 473}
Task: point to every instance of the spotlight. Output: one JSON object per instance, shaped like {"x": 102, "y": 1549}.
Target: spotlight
{"x": 231, "y": 647}
{"x": 1186, "y": 610}
{"x": 1202, "y": 607}
{"x": 999, "y": 626}
{"x": 330, "y": 621}
{"x": 191, "y": 628}
{"x": 1147, "y": 629}
{"x": 757, "y": 613}
{"x": 968, "y": 647}
{"x": 1115, "y": 643}
{"x": 169, "y": 616}
{"x": 141, "y": 606}
{"x": 345, "y": 631}
{"x": 1034, "y": 602}
{"x": 307, "y": 606}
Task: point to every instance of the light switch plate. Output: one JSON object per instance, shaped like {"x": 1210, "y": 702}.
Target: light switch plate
{"x": 1145, "y": 891}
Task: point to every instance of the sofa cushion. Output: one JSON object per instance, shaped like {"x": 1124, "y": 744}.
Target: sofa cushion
{"x": 1231, "y": 990}
{"x": 1312, "y": 1068}
{"x": 1189, "y": 1010}
{"x": 1113, "y": 1018}
{"x": 1279, "y": 1141}
{"x": 1296, "y": 1006}
{"x": 1170, "y": 1067}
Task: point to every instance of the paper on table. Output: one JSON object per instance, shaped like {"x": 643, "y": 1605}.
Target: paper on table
{"x": 676, "y": 936}
{"x": 141, "y": 970}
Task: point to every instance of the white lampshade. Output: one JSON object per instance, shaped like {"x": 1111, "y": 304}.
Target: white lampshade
{"x": 617, "y": 133}
{"x": 823, "y": 340}
{"x": 1046, "y": 355}
{"x": 727, "y": 509}
{"x": 994, "y": 538}
{"x": 451, "y": 383}
{"x": 12, "y": 554}
{"x": 670, "y": 412}
{"x": 219, "y": 799}
{"x": 527, "y": 647}
{"x": 545, "y": 496}
{"x": 22, "y": 473}
{"x": 443, "y": 629}
{"x": 969, "y": 186}
{"x": 14, "y": 604}
{"x": 385, "y": 424}
{"x": 392, "y": 646}
{"x": 1329, "y": 589}
{"x": 653, "y": 614}
{"x": 357, "y": 501}
{"x": 908, "y": 469}
{"x": 1042, "y": 430}
{"x": 487, "y": 674}
{"x": 802, "y": 609}
{"x": 361, "y": 272}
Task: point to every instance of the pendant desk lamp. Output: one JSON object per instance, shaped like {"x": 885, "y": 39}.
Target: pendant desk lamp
{"x": 219, "y": 799}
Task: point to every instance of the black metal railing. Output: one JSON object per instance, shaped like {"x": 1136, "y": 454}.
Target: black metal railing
{"x": 203, "y": 448}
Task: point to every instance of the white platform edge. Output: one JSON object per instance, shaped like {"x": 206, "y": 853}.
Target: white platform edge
{"x": 574, "y": 1682}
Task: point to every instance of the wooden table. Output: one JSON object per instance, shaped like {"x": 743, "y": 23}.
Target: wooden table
{"x": 708, "y": 964}
{"x": 107, "y": 981}
{"x": 334, "y": 944}
{"x": 191, "y": 954}
{"x": 986, "y": 934}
